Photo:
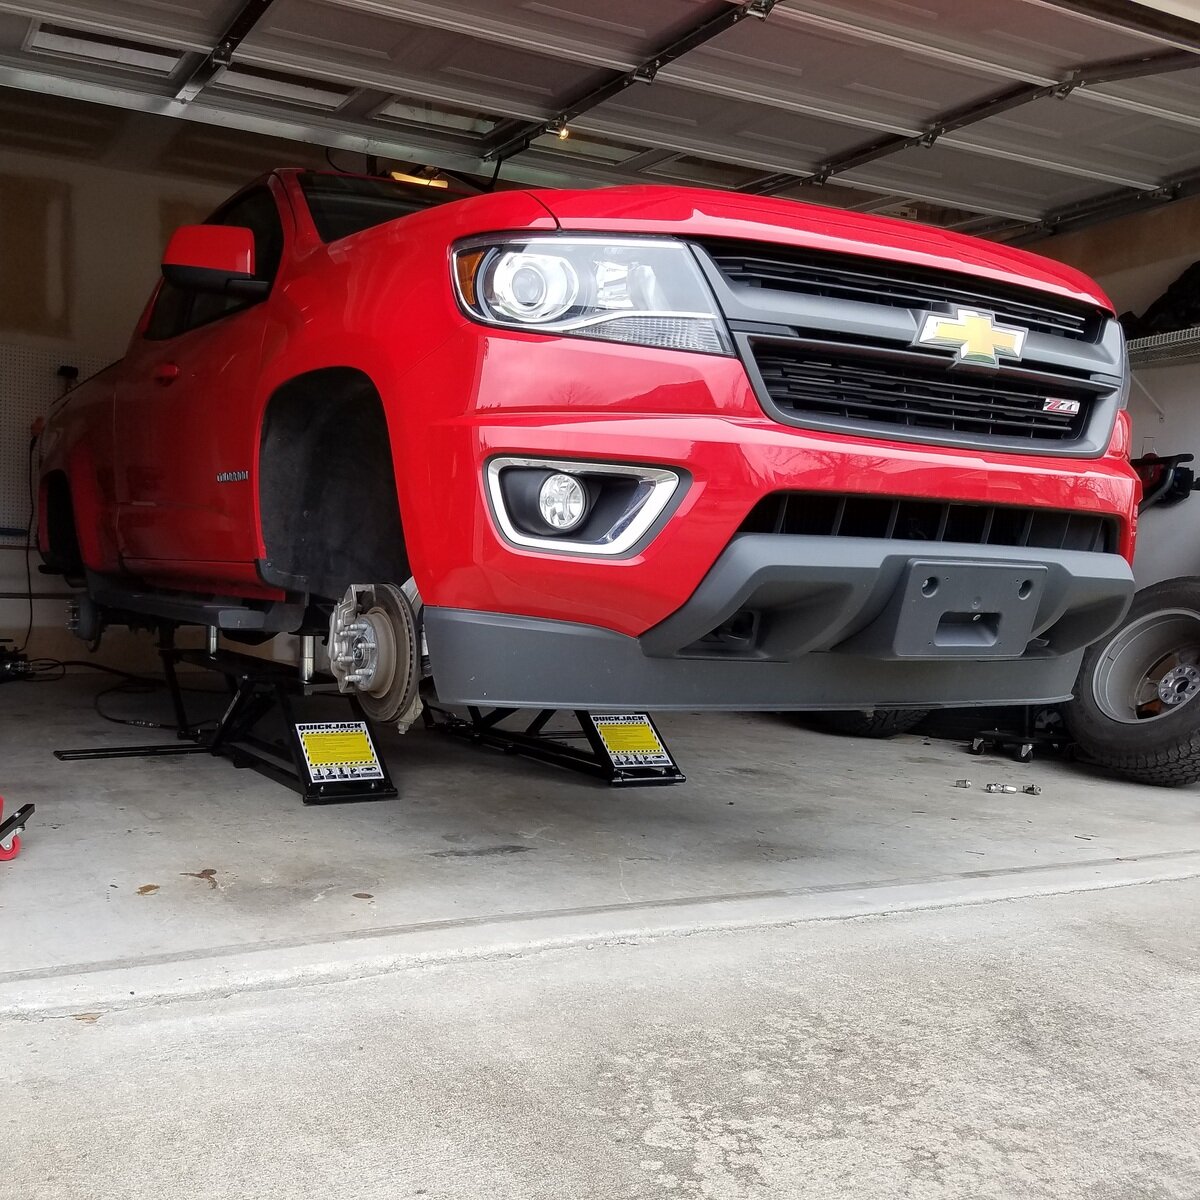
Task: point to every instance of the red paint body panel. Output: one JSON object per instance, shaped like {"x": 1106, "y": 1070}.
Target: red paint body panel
{"x": 668, "y": 408}
{"x": 213, "y": 247}
{"x": 144, "y": 444}
{"x": 699, "y": 212}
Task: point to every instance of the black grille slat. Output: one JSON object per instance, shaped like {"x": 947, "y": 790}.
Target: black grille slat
{"x": 876, "y": 281}
{"x": 932, "y": 397}
{"x": 943, "y": 522}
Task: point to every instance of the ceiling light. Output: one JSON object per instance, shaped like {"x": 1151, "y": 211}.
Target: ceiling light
{"x": 422, "y": 180}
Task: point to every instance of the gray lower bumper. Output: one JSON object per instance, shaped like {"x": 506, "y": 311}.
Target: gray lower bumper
{"x": 821, "y": 623}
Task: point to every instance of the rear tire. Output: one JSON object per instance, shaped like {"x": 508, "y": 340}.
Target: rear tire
{"x": 1137, "y": 699}
{"x": 879, "y": 723}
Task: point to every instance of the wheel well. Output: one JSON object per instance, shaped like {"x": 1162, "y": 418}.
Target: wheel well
{"x": 327, "y": 488}
{"x": 62, "y": 538}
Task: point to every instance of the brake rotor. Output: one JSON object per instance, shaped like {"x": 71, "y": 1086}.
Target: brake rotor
{"x": 373, "y": 650}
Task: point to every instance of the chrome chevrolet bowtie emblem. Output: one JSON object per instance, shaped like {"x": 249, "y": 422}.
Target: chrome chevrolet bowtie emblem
{"x": 975, "y": 336}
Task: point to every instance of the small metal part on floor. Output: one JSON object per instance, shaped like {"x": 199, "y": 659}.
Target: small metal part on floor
{"x": 622, "y": 749}
{"x": 326, "y": 762}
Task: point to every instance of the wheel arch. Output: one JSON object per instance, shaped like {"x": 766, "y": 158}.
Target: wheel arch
{"x": 327, "y": 495}
{"x": 58, "y": 529}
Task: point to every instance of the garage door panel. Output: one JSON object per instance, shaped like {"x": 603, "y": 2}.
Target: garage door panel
{"x": 681, "y": 118}
{"x": 801, "y": 66}
{"x": 1024, "y": 38}
{"x": 1177, "y": 92}
{"x": 1116, "y": 142}
{"x": 13, "y": 31}
{"x": 617, "y": 34}
{"x": 972, "y": 179}
{"x": 331, "y": 42}
{"x": 194, "y": 26}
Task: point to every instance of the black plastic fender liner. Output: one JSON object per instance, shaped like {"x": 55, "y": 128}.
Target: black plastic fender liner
{"x": 327, "y": 490}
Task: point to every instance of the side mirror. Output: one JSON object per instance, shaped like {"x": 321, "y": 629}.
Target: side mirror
{"x": 213, "y": 258}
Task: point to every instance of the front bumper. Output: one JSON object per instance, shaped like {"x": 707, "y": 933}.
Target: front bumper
{"x": 786, "y": 622}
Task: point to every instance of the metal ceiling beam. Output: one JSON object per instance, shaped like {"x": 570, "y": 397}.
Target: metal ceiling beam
{"x": 965, "y": 115}
{"x": 221, "y": 55}
{"x": 511, "y": 137}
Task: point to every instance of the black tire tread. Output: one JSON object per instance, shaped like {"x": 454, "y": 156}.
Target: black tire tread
{"x": 1167, "y": 756}
{"x": 882, "y": 723}
{"x": 1173, "y": 766}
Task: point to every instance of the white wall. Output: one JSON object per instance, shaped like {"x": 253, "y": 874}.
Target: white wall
{"x": 1135, "y": 259}
{"x": 114, "y": 236}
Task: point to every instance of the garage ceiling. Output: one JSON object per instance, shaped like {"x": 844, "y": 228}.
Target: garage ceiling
{"x": 1010, "y": 117}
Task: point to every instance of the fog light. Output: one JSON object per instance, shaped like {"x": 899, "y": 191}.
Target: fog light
{"x": 562, "y": 502}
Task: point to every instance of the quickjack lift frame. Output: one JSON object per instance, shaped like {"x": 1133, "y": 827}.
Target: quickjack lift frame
{"x": 256, "y": 687}
{"x": 622, "y": 750}
{"x": 600, "y": 759}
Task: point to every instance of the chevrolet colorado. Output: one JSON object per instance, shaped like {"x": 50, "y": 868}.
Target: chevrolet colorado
{"x": 647, "y": 447}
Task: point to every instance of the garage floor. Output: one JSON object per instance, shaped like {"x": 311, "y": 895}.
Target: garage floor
{"x": 815, "y": 969}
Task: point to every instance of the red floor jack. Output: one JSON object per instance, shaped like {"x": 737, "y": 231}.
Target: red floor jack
{"x": 10, "y": 842}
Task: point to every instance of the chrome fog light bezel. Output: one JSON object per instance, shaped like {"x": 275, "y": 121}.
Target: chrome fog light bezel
{"x": 661, "y": 485}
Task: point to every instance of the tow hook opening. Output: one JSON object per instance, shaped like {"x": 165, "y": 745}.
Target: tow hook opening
{"x": 968, "y": 629}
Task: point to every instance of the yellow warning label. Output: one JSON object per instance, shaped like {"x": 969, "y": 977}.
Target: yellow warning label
{"x": 632, "y": 738}
{"x": 349, "y": 748}
{"x": 631, "y": 741}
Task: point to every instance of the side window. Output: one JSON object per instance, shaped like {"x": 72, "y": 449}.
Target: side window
{"x": 177, "y": 310}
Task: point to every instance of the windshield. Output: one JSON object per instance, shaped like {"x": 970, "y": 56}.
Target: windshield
{"x": 345, "y": 204}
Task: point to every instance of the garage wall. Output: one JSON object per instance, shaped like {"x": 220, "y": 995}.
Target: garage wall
{"x": 79, "y": 251}
{"x": 1135, "y": 259}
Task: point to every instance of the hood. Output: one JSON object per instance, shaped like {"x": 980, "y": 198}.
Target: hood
{"x": 699, "y": 212}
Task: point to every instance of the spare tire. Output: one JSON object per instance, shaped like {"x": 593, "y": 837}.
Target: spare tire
{"x": 876, "y": 723}
{"x": 1136, "y": 709}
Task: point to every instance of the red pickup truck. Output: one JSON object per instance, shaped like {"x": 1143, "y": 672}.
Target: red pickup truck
{"x": 631, "y": 447}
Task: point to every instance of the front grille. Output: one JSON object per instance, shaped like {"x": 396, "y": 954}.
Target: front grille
{"x": 858, "y": 390}
{"x": 832, "y": 514}
{"x": 879, "y": 281}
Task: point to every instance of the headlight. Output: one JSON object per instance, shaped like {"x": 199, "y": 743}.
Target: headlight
{"x": 646, "y": 291}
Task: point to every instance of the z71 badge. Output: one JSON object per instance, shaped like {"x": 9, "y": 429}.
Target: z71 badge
{"x": 1061, "y": 406}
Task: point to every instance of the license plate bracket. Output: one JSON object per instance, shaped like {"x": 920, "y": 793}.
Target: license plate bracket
{"x": 957, "y": 609}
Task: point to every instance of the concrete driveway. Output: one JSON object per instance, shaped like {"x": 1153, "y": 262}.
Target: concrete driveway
{"x": 816, "y": 969}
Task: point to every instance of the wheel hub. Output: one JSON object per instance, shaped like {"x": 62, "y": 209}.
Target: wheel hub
{"x": 1179, "y": 684}
{"x": 373, "y": 649}
{"x": 365, "y": 651}
{"x": 1151, "y": 668}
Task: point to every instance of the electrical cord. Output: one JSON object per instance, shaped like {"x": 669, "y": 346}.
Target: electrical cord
{"x": 41, "y": 670}
{"x": 51, "y": 670}
{"x": 130, "y": 687}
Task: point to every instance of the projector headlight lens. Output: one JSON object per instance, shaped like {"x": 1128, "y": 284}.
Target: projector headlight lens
{"x": 532, "y": 287}
{"x": 562, "y": 502}
{"x": 647, "y": 291}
